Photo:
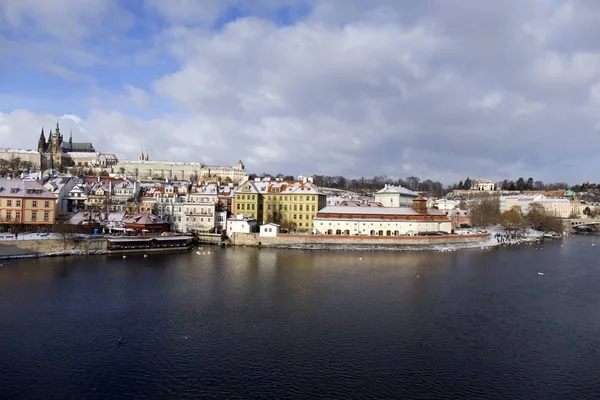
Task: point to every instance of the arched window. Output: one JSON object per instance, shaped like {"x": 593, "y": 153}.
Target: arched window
{"x": 380, "y": 233}
{"x": 388, "y": 233}
{"x": 338, "y": 232}
{"x": 347, "y": 232}
{"x": 372, "y": 233}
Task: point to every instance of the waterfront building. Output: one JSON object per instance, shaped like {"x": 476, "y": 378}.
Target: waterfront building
{"x": 25, "y": 203}
{"x": 145, "y": 223}
{"x": 292, "y": 204}
{"x": 395, "y": 196}
{"x": 269, "y": 230}
{"x": 381, "y": 221}
{"x": 241, "y": 224}
{"x": 199, "y": 209}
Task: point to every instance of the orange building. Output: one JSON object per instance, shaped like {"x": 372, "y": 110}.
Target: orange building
{"x": 25, "y": 203}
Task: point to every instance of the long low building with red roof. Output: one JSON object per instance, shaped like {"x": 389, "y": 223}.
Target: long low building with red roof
{"x": 381, "y": 221}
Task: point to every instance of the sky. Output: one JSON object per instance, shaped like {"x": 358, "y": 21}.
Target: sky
{"x": 432, "y": 88}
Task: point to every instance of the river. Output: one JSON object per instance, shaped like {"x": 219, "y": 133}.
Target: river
{"x": 248, "y": 323}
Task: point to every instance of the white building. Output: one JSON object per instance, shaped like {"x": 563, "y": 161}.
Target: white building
{"x": 380, "y": 221}
{"x": 556, "y": 207}
{"x": 269, "y": 230}
{"x": 445, "y": 204}
{"x": 60, "y": 188}
{"x": 200, "y": 209}
{"x": 395, "y": 196}
{"x": 241, "y": 224}
{"x": 483, "y": 185}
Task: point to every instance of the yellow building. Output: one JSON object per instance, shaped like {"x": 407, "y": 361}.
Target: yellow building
{"x": 292, "y": 204}
{"x": 25, "y": 203}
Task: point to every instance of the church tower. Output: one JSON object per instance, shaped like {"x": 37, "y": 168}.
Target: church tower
{"x": 146, "y": 156}
{"x": 141, "y": 156}
{"x": 42, "y": 142}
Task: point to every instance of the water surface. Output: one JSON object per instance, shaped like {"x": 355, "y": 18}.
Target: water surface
{"x": 248, "y": 323}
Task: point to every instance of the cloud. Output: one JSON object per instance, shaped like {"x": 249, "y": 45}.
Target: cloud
{"x": 352, "y": 87}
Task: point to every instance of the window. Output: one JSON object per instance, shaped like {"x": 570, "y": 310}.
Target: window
{"x": 46, "y": 215}
{"x": 300, "y": 224}
{"x": 8, "y": 215}
{"x": 33, "y": 215}
{"x": 295, "y": 216}
{"x": 295, "y": 207}
{"x": 312, "y": 208}
{"x": 34, "y": 203}
{"x": 300, "y": 216}
{"x": 18, "y": 203}
{"x": 18, "y": 215}
{"x": 46, "y": 204}
{"x": 300, "y": 207}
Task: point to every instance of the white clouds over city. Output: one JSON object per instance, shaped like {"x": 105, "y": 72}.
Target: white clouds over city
{"x": 437, "y": 89}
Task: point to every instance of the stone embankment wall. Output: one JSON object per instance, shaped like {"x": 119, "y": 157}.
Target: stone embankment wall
{"x": 209, "y": 238}
{"x": 253, "y": 239}
{"x": 10, "y": 248}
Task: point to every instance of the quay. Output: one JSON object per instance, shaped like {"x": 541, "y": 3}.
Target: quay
{"x": 93, "y": 245}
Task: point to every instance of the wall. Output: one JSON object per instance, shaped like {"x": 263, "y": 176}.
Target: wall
{"x": 49, "y": 246}
{"x": 251, "y": 239}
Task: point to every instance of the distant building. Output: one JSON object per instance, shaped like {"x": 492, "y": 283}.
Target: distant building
{"x": 147, "y": 170}
{"x": 269, "y": 230}
{"x": 54, "y": 151}
{"x": 483, "y": 185}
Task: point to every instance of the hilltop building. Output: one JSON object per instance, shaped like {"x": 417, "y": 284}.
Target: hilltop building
{"x": 144, "y": 169}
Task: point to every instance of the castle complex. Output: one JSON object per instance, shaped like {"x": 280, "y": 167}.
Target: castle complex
{"x": 55, "y": 152}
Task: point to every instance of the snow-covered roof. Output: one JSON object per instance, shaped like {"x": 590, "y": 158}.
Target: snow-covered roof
{"x": 21, "y": 151}
{"x": 21, "y": 188}
{"x": 376, "y": 211}
{"x": 280, "y": 187}
{"x": 397, "y": 190}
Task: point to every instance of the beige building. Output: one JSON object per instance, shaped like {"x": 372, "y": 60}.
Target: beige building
{"x": 146, "y": 170}
{"x": 28, "y": 156}
{"x": 25, "y": 203}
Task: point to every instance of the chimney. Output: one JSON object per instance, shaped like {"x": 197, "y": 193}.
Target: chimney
{"x": 420, "y": 205}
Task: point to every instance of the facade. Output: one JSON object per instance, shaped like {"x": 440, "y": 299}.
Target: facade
{"x": 484, "y": 185}
{"x": 200, "y": 208}
{"x": 381, "y": 221}
{"x": 395, "y": 196}
{"x": 558, "y": 207}
{"x": 60, "y": 188}
{"x": 146, "y": 170}
{"x": 269, "y": 230}
{"x": 77, "y": 197}
{"x": 25, "y": 203}
{"x": 25, "y": 156}
{"x": 292, "y": 204}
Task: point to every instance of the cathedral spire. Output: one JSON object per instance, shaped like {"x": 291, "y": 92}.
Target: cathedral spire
{"x": 146, "y": 156}
{"x": 71, "y": 137}
{"x": 57, "y": 131}
{"x": 141, "y": 156}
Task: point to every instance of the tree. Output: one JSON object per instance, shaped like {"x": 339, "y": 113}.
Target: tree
{"x": 485, "y": 211}
{"x": 538, "y": 218}
{"x": 511, "y": 220}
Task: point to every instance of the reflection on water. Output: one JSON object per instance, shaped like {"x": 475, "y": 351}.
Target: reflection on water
{"x": 243, "y": 322}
